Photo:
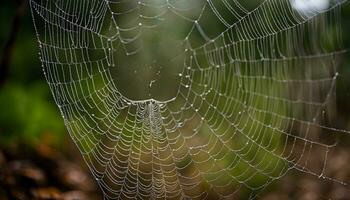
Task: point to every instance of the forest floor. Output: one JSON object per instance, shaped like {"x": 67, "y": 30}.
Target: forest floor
{"x": 44, "y": 173}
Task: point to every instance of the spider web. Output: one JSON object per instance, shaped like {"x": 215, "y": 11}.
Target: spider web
{"x": 200, "y": 99}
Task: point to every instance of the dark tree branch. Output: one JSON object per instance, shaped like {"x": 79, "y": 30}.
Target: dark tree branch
{"x": 21, "y": 6}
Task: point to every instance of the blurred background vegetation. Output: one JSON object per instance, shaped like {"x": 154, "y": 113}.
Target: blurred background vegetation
{"x": 37, "y": 157}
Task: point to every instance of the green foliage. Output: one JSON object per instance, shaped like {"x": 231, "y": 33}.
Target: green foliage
{"x": 26, "y": 114}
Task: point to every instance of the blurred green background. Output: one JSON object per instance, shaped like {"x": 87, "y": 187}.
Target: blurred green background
{"x": 32, "y": 132}
{"x": 27, "y": 109}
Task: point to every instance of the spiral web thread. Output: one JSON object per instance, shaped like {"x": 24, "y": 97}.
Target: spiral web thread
{"x": 252, "y": 102}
